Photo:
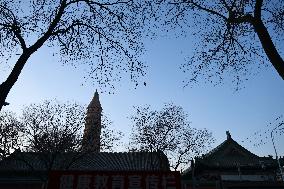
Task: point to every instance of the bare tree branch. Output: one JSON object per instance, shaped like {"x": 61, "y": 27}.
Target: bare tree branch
{"x": 220, "y": 54}
{"x": 168, "y": 130}
{"x": 82, "y": 30}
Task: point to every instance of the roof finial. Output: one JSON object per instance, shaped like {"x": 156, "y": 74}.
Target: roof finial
{"x": 95, "y": 101}
{"x": 96, "y": 93}
{"x": 228, "y": 135}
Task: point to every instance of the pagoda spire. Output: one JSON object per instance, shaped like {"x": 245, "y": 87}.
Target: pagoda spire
{"x": 95, "y": 102}
{"x": 92, "y": 131}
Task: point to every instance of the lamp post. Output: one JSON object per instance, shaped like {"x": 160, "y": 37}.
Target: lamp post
{"x": 272, "y": 138}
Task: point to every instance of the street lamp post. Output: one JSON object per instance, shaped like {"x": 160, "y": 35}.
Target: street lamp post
{"x": 272, "y": 138}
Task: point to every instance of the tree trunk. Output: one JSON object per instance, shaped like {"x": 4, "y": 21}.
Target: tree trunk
{"x": 269, "y": 47}
{"x": 7, "y": 85}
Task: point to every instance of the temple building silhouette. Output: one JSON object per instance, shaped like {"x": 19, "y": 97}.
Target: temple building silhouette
{"x": 31, "y": 169}
{"x": 229, "y": 166}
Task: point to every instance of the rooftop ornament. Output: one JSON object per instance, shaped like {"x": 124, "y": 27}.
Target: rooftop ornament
{"x": 228, "y": 135}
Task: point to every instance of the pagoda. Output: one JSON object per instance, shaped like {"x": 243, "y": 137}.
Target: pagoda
{"x": 93, "y": 126}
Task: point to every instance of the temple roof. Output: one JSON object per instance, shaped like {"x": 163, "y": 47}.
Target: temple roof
{"x": 230, "y": 154}
{"x": 102, "y": 161}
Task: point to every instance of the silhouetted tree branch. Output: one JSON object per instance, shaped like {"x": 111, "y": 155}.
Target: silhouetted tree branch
{"x": 168, "y": 130}
{"x": 263, "y": 136}
{"x": 110, "y": 138}
{"x": 103, "y": 35}
{"x": 10, "y": 133}
{"x": 236, "y": 35}
{"x": 53, "y": 127}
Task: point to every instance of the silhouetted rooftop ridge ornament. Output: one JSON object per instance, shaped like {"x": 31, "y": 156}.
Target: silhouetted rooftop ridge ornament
{"x": 228, "y": 135}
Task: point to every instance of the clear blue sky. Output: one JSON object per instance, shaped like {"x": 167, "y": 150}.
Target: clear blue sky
{"x": 217, "y": 108}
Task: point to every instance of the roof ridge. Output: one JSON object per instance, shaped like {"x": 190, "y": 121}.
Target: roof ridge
{"x": 90, "y": 161}
{"x": 224, "y": 144}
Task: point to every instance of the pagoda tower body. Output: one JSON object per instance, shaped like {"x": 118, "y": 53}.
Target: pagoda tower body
{"x": 92, "y": 131}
